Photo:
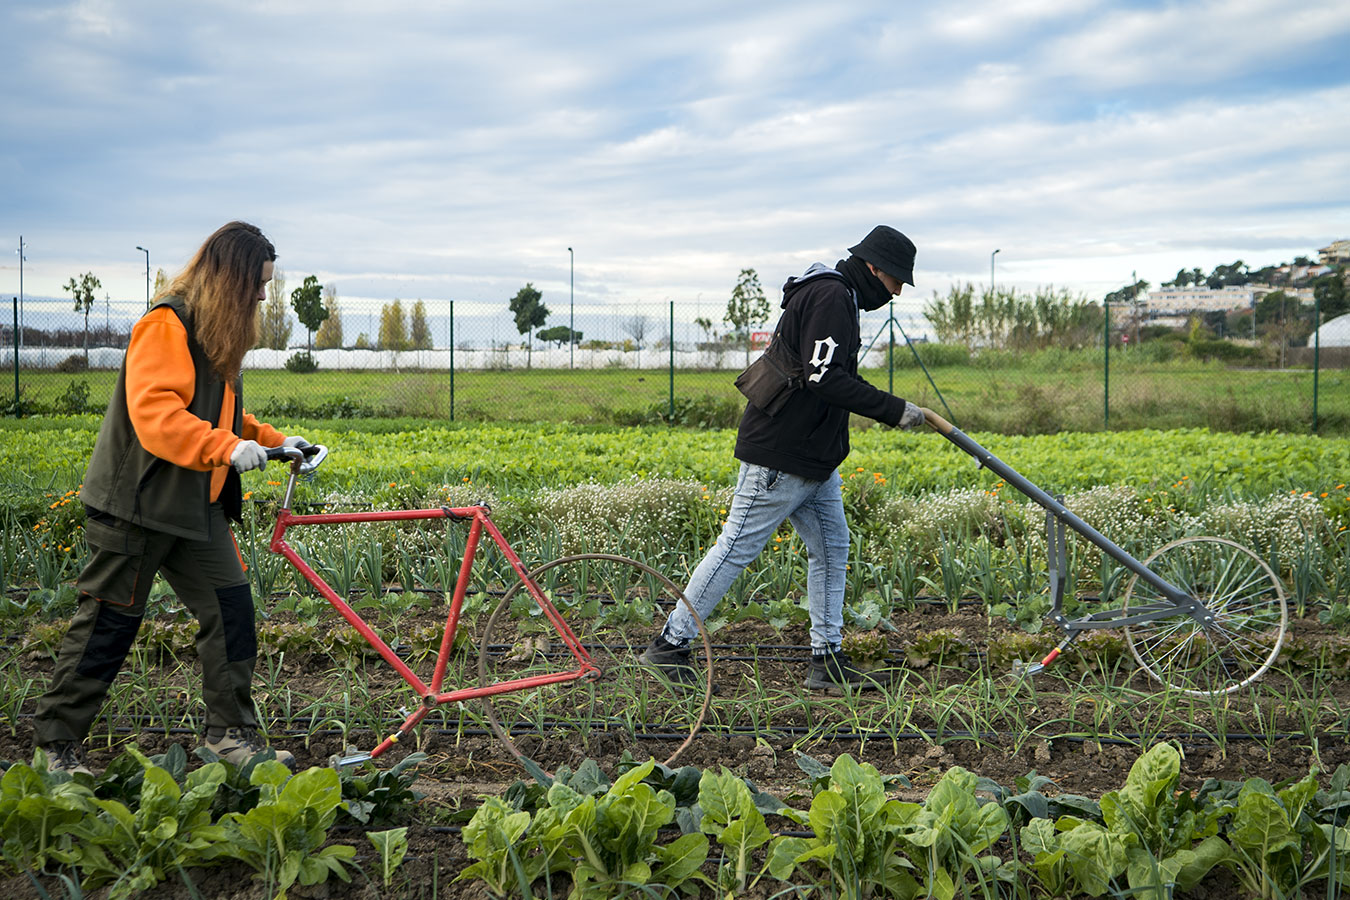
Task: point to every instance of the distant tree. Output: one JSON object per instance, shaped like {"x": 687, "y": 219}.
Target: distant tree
{"x": 419, "y": 332}
{"x": 161, "y": 282}
{"x": 635, "y": 326}
{"x": 274, "y": 318}
{"x": 1129, "y": 294}
{"x": 1235, "y": 273}
{"x": 362, "y": 341}
{"x": 83, "y": 292}
{"x": 1329, "y": 291}
{"x": 530, "y": 313}
{"x": 1273, "y": 307}
{"x": 560, "y": 335}
{"x": 307, "y": 300}
{"x": 747, "y": 307}
{"x": 329, "y": 335}
{"x": 393, "y": 327}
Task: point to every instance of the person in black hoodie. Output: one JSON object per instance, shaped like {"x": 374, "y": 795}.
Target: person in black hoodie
{"x": 789, "y": 461}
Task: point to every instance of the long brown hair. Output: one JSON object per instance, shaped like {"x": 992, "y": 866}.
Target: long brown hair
{"x": 220, "y": 286}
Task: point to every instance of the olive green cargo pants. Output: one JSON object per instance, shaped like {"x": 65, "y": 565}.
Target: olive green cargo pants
{"x": 113, "y": 587}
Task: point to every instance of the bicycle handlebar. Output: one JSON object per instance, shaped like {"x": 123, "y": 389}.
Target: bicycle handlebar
{"x": 304, "y": 459}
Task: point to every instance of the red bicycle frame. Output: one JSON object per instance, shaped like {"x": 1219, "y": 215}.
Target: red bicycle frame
{"x": 431, "y": 694}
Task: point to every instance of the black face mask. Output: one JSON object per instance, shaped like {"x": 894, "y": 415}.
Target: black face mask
{"x": 872, "y": 294}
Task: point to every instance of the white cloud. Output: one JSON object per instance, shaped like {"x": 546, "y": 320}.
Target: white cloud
{"x": 458, "y": 150}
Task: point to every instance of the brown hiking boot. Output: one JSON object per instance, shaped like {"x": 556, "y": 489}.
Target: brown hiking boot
{"x": 66, "y": 756}
{"x": 238, "y": 745}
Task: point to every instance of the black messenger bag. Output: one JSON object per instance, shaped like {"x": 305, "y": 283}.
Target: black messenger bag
{"x": 770, "y": 381}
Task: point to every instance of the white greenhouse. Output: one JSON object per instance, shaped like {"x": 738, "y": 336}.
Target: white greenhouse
{"x": 1333, "y": 333}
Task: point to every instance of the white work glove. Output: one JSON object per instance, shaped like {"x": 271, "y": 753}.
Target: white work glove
{"x": 295, "y": 441}
{"x": 912, "y": 417}
{"x": 248, "y": 455}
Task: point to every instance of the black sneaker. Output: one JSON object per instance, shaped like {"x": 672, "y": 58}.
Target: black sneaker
{"x": 834, "y": 673}
{"x": 65, "y": 756}
{"x": 675, "y": 663}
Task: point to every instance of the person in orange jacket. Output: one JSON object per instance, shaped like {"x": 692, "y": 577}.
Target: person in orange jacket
{"x": 162, "y": 483}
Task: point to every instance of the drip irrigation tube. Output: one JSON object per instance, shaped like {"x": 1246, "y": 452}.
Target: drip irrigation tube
{"x": 1124, "y": 738}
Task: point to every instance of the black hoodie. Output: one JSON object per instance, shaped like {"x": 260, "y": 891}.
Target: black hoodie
{"x": 809, "y": 436}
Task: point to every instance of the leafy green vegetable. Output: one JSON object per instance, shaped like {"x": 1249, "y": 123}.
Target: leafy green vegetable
{"x": 282, "y": 837}
{"x": 37, "y": 810}
{"x": 857, "y": 842}
{"x": 607, "y": 843}
{"x": 134, "y": 850}
{"x": 1165, "y": 824}
{"x": 392, "y": 845}
{"x": 730, "y": 815}
{"x": 380, "y": 796}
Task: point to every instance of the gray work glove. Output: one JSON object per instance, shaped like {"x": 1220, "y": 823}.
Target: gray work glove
{"x": 912, "y": 417}
{"x": 295, "y": 441}
{"x": 248, "y": 455}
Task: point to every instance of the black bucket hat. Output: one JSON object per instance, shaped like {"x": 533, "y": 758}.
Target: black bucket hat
{"x": 888, "y": 250}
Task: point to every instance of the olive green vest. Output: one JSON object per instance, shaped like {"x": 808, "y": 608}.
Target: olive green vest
{"x": 127, "y": 481}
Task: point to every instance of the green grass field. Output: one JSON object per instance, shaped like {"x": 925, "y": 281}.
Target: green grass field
{"x": 1035, "y": 397}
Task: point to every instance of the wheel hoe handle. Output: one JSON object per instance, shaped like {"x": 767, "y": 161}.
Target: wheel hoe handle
{"x": 936, "y": 421}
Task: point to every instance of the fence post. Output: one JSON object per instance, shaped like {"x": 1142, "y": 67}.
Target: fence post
{"x": 16, "y": 358}
{"x": 1106, "y": 365}
{"x": 1317, "y": 349}
{"x": 890, "y": 351}
{"x": 452, "y": 360}
{"x": 672, "y": 362}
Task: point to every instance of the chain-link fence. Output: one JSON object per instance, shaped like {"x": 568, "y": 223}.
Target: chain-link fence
{"x": 652, "y": 363}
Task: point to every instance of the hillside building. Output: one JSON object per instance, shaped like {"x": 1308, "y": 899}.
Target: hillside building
{"x": 1335, "y": 253}
{"x": 1174, "y": 300}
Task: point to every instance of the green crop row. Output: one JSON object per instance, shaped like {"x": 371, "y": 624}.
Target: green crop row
{"x": 148, "y": 820}
{"x": 924, "y": 519}
{"x": 1147, "y": 839}
{"x": 51, "y": 454}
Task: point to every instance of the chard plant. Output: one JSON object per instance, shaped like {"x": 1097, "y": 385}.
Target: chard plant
{"x": 1171, "y": 841}
{"x": 1072, "y": 856}
{"x": 133, "y": 850}
{"x": 606, "y": 843}
{"x": 38, "y": 809}
{"x": 856, "y": 849}
{"x": 732, "y": 818}
{"x": 948, "y": 835}
{"x": 1278, "y": 849}
{"x": 392, "y": 847}
{"x": 282, "y": 837}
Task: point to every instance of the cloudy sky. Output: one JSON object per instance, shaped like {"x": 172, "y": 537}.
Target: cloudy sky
{"x": 456, "y": 150}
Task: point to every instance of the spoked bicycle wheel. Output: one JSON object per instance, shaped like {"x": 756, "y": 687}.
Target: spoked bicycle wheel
{"x": 1250, "y": 617}
{"x": 614, "y": 605}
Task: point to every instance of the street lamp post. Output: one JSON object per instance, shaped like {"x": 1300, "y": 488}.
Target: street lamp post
{"x": 991, "y": 271}
{"x": 147, "y": 274}
{"x": 571, "y": 304}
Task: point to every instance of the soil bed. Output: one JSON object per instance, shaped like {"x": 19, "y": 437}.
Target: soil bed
{"x": 1083, "y": 723}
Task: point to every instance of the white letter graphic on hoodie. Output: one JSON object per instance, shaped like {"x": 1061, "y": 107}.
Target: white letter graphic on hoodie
{"x": 822, "y": 362}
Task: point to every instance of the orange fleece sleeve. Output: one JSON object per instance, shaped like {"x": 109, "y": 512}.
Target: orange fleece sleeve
{"x": 160, "y": 385}
{"x": 261, "y": 432}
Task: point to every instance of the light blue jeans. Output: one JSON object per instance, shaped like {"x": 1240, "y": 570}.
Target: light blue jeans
{"x": 763, "y": 499}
